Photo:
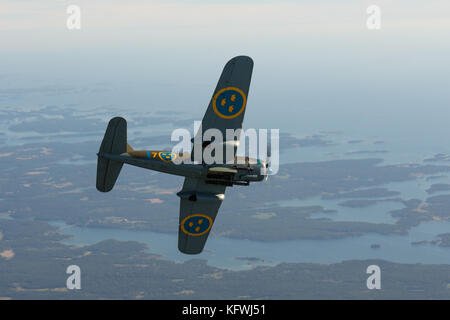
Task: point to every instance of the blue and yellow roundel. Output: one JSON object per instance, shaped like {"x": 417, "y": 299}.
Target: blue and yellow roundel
{"x": 229, "y": 102}
{"x": 196, "y": 224}
{"x": 167, "y": 156}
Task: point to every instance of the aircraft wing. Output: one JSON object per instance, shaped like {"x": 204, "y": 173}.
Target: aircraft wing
{"x": 198, "y": 209}
{"x": 226, "y": 109}
{"x": 200, "y": 202}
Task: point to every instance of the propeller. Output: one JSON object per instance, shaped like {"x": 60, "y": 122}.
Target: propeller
{"x": 267, "y": 164}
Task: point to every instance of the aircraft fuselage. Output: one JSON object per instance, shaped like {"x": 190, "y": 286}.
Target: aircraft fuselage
{"x": 241, "y": 172}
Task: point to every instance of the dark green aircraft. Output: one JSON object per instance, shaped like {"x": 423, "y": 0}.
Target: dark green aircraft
{"x": 204, "y": 185}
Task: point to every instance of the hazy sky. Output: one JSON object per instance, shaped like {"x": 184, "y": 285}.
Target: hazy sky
{"x": 314, "y": 59}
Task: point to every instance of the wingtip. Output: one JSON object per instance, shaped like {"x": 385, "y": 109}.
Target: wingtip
{"x": 242, "y": 58}
{"x": 190, "y": 251}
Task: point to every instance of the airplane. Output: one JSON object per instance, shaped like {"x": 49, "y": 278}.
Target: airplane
{"x": 204, "y": 185}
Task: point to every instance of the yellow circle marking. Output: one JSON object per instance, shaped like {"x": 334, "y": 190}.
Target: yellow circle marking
{"x": 244, "y": 102}
{"x": 172, "y": 154}
{"x": 197, "y": 228}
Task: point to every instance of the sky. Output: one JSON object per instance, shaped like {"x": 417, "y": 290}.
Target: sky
{"x": 315, "y": 61}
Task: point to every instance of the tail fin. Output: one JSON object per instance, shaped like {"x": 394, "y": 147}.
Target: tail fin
{"x": 114, "y": 142}
{"x": 129, "y": 148}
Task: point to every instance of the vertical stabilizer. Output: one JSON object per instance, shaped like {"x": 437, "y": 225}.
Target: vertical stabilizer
{"x": 114, "y": 142}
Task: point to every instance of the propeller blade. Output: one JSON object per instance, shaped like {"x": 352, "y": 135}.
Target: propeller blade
{"x": 269, "y": 150}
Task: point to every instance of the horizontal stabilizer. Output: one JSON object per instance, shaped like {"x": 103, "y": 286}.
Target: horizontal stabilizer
{"x": 114, "y": 142}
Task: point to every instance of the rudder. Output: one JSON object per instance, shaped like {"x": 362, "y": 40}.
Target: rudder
{"x": 114, "y": 142}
